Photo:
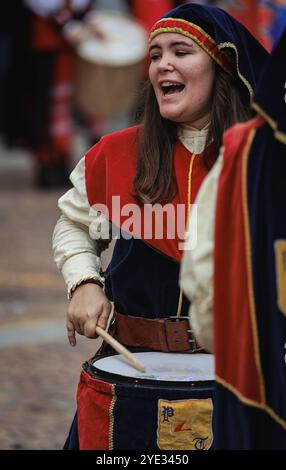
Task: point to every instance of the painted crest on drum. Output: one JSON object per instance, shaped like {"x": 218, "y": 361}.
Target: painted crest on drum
{"x": 185, "y": 424}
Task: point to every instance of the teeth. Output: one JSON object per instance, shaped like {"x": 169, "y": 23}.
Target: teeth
{"x": 165, "y": 84}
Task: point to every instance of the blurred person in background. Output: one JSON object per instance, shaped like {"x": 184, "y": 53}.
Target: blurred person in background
{"x": 38, "y": 111}
{"x": 196, "y": 90}
{"x": 38, "y": 43}
{"x": 52, "y": 87}
{"x": 149, "y": 11}
{"x": 14, "y": 30}
{"x": 264, "y": 19}
{"x": 57, "y": 28}
{"x": 236, "y": 275}
{"x": 8, "y": 26}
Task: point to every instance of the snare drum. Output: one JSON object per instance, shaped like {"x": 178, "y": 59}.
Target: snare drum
{"x": 169, "y": 407}
{"x": 109, "y": 69}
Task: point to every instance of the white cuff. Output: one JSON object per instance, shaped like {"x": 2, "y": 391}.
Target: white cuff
{"x": 80, "y": 267}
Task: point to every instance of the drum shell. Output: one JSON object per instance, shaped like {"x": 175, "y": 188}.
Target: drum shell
{"x": 106, "y": 91}
{"x": 116, "y": 413}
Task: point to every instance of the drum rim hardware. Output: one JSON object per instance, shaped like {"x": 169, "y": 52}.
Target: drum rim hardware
{"x": 139, "y": 382}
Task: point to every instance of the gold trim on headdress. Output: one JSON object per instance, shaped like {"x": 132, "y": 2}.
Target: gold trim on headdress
{"x": 204, "y": 40}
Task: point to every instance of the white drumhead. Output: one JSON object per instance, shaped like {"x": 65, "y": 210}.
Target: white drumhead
{"x": 124, "y": 42}
{"x": 162, "y": 366}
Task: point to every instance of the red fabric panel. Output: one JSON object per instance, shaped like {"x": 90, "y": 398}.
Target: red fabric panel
{"x": 110, "y": 171}
{"x": 234, "y": 334}
{"x": 94, "y": 400}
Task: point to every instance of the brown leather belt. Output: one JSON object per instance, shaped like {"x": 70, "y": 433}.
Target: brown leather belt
{"x": 161, "y": 334}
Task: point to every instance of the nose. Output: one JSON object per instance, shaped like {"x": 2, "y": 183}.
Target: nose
{"x": 165, "y": 64}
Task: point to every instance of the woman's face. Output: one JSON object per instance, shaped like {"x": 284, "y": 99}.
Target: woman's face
{"x": 182, "y": 75}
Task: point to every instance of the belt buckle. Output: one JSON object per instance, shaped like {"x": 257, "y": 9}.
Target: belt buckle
{"x": 192, "y": 340}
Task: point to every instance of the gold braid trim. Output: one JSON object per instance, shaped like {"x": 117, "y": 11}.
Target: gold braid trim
{"x": 281, "y": 136}
{"x": 194, "y": 38}
{"x": 248, "y": 256}
{"x": 254, "y": 404}
{"x": 185, "y": 22}
{"x": 242, "y": 78}
{"x": 111, "y": 419}
{"x": 179, "y": 309}
{"x": 220, "y": 46}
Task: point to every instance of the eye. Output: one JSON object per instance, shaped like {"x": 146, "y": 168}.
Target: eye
{"x": 181, "y": 53}
{"x": 155, "y": 56}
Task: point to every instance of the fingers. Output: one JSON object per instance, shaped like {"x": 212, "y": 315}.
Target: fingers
{"x": 99, "y": 320}
{"x": 103, "y": 318}
{"x": 89, "y": 328}
{"x": 71, "y": 333}
{"x": 83, "y": 317}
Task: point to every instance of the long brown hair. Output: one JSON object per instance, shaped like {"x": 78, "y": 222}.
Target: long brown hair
{"x": 155, "y": 180}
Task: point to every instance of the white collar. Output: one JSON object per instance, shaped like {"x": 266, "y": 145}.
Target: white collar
{"x": 193, "y": 139}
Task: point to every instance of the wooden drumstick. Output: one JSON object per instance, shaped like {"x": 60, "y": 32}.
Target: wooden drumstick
{"x": 133, "y": 361}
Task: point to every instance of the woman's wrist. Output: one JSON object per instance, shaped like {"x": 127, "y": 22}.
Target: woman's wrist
{"x": 87, "y": 281}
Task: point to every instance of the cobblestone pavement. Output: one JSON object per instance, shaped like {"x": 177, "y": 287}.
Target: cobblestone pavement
{"x": 37, "y": 399}
{"x": 39, "y": 373}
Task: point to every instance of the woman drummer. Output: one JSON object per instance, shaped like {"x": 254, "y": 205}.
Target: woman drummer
{"x": 203, "y": 68}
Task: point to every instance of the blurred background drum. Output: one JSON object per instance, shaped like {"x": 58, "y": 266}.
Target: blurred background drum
{"x": 169, "y": 407}
{"x": 110, "y": 65}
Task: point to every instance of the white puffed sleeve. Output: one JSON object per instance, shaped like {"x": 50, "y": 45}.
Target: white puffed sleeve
{"x": 76, "y": 252}
{"x": 196, "y": 277}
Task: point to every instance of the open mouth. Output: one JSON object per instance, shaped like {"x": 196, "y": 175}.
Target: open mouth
{"x": 169, "y": 88}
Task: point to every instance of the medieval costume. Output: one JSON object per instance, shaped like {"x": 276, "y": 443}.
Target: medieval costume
{"x": 236, "y": 278}
{"x": 142, "y": 278}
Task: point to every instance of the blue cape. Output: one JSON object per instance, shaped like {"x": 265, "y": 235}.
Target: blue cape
{"x": 270, "y": 96}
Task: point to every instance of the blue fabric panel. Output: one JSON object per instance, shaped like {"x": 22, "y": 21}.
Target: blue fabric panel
{"x": 267, "y": 210}
{"x": 72, "y": 441}
{"x": 142, "y": 281}
{"x": 136, "y": 412}
{"x": 241, "y": 427}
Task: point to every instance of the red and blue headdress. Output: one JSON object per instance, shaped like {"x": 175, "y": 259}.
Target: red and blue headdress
{"x": 216, "y": 31}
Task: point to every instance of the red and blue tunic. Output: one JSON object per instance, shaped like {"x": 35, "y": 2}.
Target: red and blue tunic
{"x": 143, "y": 274}
{"x": 249, "y": 280}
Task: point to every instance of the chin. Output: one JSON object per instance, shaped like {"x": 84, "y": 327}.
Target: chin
{"x": 171, "y": 116}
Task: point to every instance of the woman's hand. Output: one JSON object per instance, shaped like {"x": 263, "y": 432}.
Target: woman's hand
{"x": 88, "y": 308}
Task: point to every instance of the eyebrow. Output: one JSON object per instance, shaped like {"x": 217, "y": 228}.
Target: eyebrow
{"x": 173, "y": 44}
